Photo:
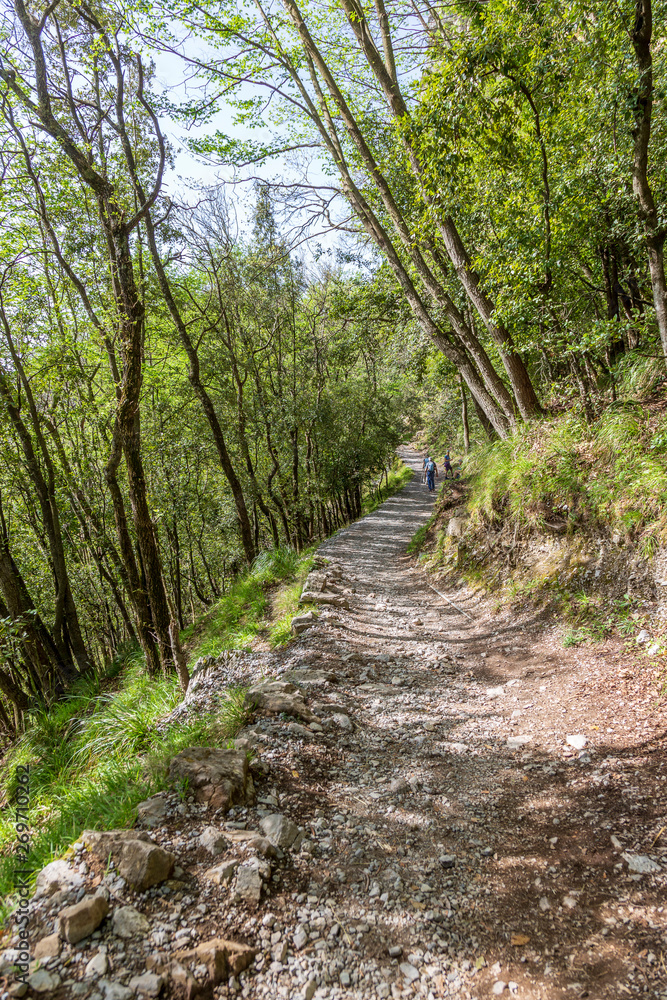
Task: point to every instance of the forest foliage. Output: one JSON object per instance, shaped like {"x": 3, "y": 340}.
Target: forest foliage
{"x": 180, "y": 393}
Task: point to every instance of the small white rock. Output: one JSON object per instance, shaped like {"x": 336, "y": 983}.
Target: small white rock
{"x": 515, "y": 742}
{"x": 409, "y": 971}
{"x": 97, "y": 966}
{"x": 309, "y": 989}
{"x": 641, "y": 864}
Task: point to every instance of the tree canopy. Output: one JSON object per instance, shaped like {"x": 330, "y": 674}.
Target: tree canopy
{"x": 179, "y": 392}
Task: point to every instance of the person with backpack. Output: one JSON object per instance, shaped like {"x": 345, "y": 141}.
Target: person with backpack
{"x": 431, "y": 474}
{"x": 424, "y": 464}
{"x": 448, "y": 466}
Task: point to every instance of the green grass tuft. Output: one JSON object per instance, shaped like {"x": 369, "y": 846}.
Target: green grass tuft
{"x": 607, "y": 477}
{"x": 417, "y": 541}
{"x": 92, "y": 761}
{"x": 240, "y": 615}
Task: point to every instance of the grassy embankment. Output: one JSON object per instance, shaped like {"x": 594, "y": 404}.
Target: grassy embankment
{"x": 564, "y": 480}
{"x": 96, "y": 754}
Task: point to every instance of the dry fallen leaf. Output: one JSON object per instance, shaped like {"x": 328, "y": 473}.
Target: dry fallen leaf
{"x": 519, "y": 939}
{"x": 295, "y": 774}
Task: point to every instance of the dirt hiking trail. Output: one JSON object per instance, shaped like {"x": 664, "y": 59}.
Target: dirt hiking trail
{"x": 481, "y": 812}
{"x": 467, "y": 828}
{"x": 454, "y": 821}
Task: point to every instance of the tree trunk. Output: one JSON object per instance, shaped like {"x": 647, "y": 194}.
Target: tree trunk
{"x": 501, "y": 420}
{"x": 39, "y": 648}
{"x": 575, "y": 368}
{"x": 137, "y": 592}
{"x": 518, "y": 375}
{"x": 487, "y": 426}
{"x": 245, "y": 450}
{"x": 643, "y": 108}
{"x": 116, "y": 225}
{"x": 464, "y": 417}
{"x": 524, "y": 393}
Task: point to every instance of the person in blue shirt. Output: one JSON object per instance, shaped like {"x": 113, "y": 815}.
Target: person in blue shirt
{"x": 448, "y": 466}
{"x": 431, "y": 474}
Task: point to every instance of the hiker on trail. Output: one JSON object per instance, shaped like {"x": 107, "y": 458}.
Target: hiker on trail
{"x": 448, "y": 466}
{"x": 424, "y": 464}
{"x": 431, "y": 475}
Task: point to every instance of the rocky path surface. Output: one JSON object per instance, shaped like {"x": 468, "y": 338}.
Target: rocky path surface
{"x": 448, "y": 804}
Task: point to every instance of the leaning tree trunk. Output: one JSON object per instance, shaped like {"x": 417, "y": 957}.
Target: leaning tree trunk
{"x": 517, "y": 372}
{"x": 498, "y": 411}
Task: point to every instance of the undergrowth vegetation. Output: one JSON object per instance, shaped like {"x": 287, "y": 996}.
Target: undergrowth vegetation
{"x": 608, "y": 476}
{"x": 97, "y": 753}
{"x": 236, "y": 618}
{"x": 573, "y": 485}
{"x": 92, "y": 758}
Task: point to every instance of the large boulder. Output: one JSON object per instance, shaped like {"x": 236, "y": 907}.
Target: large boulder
{"x": 222, "y": 958}
{"x": 218, "y": 778}
{"x": 275, "y": 697}
{"x": 79, "y": 921}
{"x": 58, "y": 876}
{"x": 140, "y": 861}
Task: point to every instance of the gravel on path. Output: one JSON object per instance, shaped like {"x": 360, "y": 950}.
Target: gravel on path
{"x": 480, "y": 811}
